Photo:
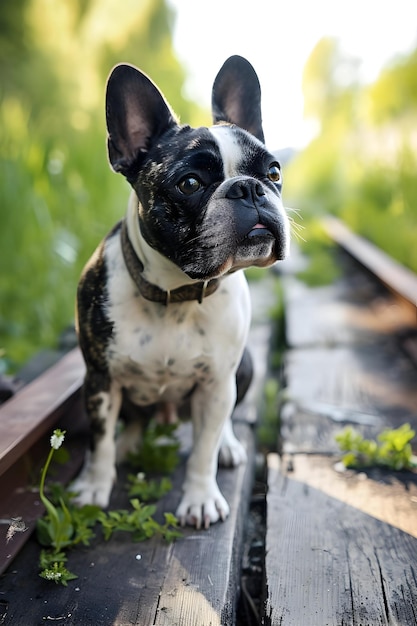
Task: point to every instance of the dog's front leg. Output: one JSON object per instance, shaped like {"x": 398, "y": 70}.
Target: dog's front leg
{"x": 95, "y": 482}
{"x": 202, "y": 502}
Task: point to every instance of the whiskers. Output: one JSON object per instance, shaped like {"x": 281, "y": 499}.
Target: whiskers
{"x": 296, "y": 227}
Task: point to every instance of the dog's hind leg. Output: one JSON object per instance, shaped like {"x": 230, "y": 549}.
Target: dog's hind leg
{"x": 95, "y": 482}
{"x": 232, "y": 453}
{"x": 244, "y": 375}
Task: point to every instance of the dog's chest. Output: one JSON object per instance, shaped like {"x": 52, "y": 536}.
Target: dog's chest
{"x": 155, "y": 361}
{"x": 157, "y": 353}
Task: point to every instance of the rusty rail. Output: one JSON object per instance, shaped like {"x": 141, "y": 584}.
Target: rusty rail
{"x": 397, "y": 278}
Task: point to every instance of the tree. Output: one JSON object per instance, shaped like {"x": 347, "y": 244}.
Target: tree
{"x": 394, "y": 94}
{"x": 362, "y": 164}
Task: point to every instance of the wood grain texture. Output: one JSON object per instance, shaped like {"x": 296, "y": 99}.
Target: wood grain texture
{"x": 354, "y": 309}
{"x": 35, "y": 409}
{"x": 341, "y": 548}
{"x": 388, "y": 496}
{"x": 329, "y": 388}
{"x": 329, "y": 563}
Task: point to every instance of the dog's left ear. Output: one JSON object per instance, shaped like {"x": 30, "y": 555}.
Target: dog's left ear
{"x": 236, "y": 96}
{"x": 137, "y": 114}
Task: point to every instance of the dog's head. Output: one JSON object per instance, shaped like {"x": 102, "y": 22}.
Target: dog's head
{"x": 209, "y": 198}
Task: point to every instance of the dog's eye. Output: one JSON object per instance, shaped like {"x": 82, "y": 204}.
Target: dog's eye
{"x": 189, "y": 185}
{"x": 274, "y": 173}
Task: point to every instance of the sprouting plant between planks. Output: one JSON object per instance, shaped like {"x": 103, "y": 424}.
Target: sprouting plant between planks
{"x": 65, "y": 525}
{"x": 392, "y": 449}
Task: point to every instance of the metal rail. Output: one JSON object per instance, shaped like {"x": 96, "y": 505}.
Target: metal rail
{"x": 397, "y": 278}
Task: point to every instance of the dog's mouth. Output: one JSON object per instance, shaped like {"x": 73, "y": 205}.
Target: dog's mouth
{"x": 259, "y": 230}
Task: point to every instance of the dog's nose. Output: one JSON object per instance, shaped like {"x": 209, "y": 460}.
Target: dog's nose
{"x": 247, "y": 189}
{"x": 248, "y": 200}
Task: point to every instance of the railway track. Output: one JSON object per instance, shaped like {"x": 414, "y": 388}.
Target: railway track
{"x": 341, "y": 545}
{"x": 54, "y": 400}
{"x": 399, "y": 279}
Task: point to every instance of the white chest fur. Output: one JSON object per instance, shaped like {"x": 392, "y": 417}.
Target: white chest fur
{"x": 160, "y": 353}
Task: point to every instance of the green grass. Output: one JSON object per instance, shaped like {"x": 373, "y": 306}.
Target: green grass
{"x": 376, "y": 195}
{"x": 59, "y": 198}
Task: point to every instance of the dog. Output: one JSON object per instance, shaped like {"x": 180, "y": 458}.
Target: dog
{"x": 163, "y": 307}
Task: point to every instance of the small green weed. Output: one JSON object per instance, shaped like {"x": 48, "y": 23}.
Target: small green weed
{"x": 267, "y": 431}
{"x": 139, "y": 522}
{"x": 158, "y": 451}
{"x": 391, "y": 450}
{"x": 277, "y": 316}
{"x": 65, "y": 525}
{"x": 147, "y": 490}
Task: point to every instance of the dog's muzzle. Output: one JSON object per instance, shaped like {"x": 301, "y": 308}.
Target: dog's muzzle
{"x": 250, "y": 202}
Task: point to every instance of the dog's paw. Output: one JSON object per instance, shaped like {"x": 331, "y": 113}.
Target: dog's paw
{"x": 232, "y": 453}
{"x": 202, "y": 508}
{"x": 92, "y": 488}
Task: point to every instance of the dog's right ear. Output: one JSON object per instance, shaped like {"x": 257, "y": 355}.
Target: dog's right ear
{"x": 136, "y": 114}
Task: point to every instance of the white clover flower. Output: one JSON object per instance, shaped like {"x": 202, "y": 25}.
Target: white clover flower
{"x": 57, "y": 439}
{"x": 51, "y": 575}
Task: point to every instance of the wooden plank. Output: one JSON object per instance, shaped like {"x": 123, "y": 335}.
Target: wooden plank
{"x": 328, "y": 388}
{"x": 398, "y": 278}
{"x": 26, "y": 423}
{"x": 19, "y": 483}
{"x": 328, "y": 562}
{"x": 202, "y": 579}
{"x": 354, "y": 309}
{"x": 193, "y": 581}
{"x": 34, "y": 410}
{"x": 388, "y": 496}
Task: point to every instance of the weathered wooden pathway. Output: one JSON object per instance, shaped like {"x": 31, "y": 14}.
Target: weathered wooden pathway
{"x": 341, "y": 548}
{"x": 338, "y": 549}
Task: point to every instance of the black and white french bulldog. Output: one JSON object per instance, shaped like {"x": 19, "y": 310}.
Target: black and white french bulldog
{"x": 163, "y": 306}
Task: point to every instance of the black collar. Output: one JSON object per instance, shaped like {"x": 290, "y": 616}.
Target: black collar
{"x": 193, "y": 291}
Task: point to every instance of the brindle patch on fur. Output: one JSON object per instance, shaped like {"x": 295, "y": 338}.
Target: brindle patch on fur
{"x": 95, "y": 328}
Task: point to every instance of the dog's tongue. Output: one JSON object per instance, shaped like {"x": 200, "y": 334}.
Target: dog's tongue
{"x": 259, "y": 229}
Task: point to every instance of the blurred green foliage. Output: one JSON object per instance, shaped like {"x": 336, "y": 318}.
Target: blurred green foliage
{"x": 391, "y": 450}
{"x": 58, "y": 194}
{"x": 362, "y": 163}
{"x": 322, "y": 268}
